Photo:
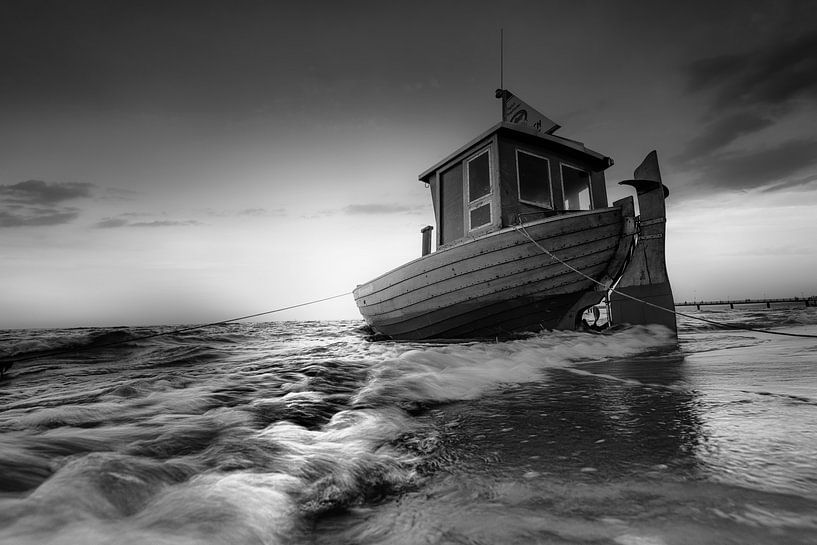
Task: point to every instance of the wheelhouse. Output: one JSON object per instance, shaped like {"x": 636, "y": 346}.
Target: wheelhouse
{"x": 512, "y": 173}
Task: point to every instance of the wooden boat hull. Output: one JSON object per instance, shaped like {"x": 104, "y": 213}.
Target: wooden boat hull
{"x": 501, "y": 283}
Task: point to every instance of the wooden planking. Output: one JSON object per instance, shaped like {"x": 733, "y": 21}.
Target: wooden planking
{"x": 541, "y": 231}
{"x": 502, "y": 318}
{"x": 507, "y": 318}
{"x": 496, "y": 241}
{"x": 486, "y": 311}
{"x": 565, "y": 247}
{"x": 554, "y": 276}
{"x": 539, "y": 264}
{"x": 531, "y": 315}
{"x": 537, "y": 288}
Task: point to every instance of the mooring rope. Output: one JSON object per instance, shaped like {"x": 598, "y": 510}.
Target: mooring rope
{"x": 10, "y": 361}
{"x": 520, "y": 227}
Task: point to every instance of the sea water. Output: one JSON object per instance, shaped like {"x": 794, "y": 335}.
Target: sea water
{"x": 308, "y": 432}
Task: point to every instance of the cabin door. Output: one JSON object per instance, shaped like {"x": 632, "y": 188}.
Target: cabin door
{"x": 451, "y": 220}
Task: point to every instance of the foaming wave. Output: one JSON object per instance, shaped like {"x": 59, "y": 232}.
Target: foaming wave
{"x": 107, "y": 498}
{"x": 353, "y": 459}
{"x": 462, "y": 372}
{"x": 32, "y": 344}
{"x": 234, "y": 508}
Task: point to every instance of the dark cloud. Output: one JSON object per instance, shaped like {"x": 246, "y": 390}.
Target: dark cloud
{"x": 38, "y": 203}
{"x": 247, "y": 212}
{"x": 165, "y": 223}
{"x": 261, "y": 212}
{"x": 37, "y": 217}
{"x": 118, "y": 194}
{"x": 713, "y": 71}
{"x": 34, "y": 192}
{"x": 770, "y": 77}
{"x": 757, "y": 168}
{"x": 720, "y": 133}
{"x": 120, "y": 221}
{"x": 751, "y": 92}
{"x": 367, "y": 209}
{"x": 110, "y": 223}
{"x": 802, "y": 184}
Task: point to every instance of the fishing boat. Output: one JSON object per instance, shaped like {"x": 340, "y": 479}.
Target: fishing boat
{"x": 526, "y": 241}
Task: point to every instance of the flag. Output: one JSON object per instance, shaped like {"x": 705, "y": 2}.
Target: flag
{"x": 515, "y": 110}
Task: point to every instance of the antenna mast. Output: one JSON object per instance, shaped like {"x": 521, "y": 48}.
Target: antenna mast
{"x": 501, "y": 58}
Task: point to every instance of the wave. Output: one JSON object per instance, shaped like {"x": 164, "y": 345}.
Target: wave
{"x": 463, "y": 372}
{"x": 284, "y": 429}
{"x": 34, "y": 344}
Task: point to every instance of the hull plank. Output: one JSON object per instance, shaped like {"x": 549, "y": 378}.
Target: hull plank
{"x": 547, "y": 232}
{"x": 551, "y": 278}
{"x": 531, "y": 309}
{"x": 499, "y": 284}
{"x": 471, "y": 273}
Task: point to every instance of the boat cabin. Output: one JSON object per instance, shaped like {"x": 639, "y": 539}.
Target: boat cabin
{"x": 512, "y": 173}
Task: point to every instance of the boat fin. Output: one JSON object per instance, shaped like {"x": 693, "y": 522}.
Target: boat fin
{"x": 647, "y": 176}
{"x": 645, "y": 278}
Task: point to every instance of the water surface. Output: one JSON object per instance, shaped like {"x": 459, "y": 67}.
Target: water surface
{"x": 306, "y": 432}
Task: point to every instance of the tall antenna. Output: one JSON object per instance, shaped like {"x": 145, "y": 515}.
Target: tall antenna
{"x": 501, "y": 58}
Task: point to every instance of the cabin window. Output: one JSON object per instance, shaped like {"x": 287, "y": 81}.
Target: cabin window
{"x": 479, "y": 176}
{"x": 480, "y": 215}
{"x": 478, "y": 169}
{"x": 576, "y": 187}
{"x": 533, "y": 173}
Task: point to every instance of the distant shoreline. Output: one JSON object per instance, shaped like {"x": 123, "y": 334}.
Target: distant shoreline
{"x": 810, "y": 301}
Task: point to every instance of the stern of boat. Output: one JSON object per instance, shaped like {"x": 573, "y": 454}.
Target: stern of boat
{"x": 643, "y": 294}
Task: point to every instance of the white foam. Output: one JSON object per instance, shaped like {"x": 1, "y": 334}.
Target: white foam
{"x": 461, "y": 372}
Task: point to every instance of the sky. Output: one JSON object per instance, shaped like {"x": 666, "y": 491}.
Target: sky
{"x": 176, "y": 162}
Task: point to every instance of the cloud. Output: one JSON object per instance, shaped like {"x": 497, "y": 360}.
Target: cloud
{"x": 38, "y": 217}
{"x": 770, "y": 77}
{"x": 802, "y": 184}
{"x": 119, "y": 194}
{"x": 770, "y": 167}
{"x": 750, "y": 94}
{"x": 165, "y": 223}
{"x": 115, "y": 223}
{"x": 720, "y": 133}
{"x": 247, "y": 212}
{"x": 368, "y": 209}
{"x": 35, "y": 192}
{"x": 110, "y": 223}
{"x": 261, "y": 212}
{"x": 39, "y": 203}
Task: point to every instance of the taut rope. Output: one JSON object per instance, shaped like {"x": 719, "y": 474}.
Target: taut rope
{"x": 521, "y": 228}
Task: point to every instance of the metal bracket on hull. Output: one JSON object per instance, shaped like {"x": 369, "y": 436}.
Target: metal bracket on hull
{"x": 614, "y": 268}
